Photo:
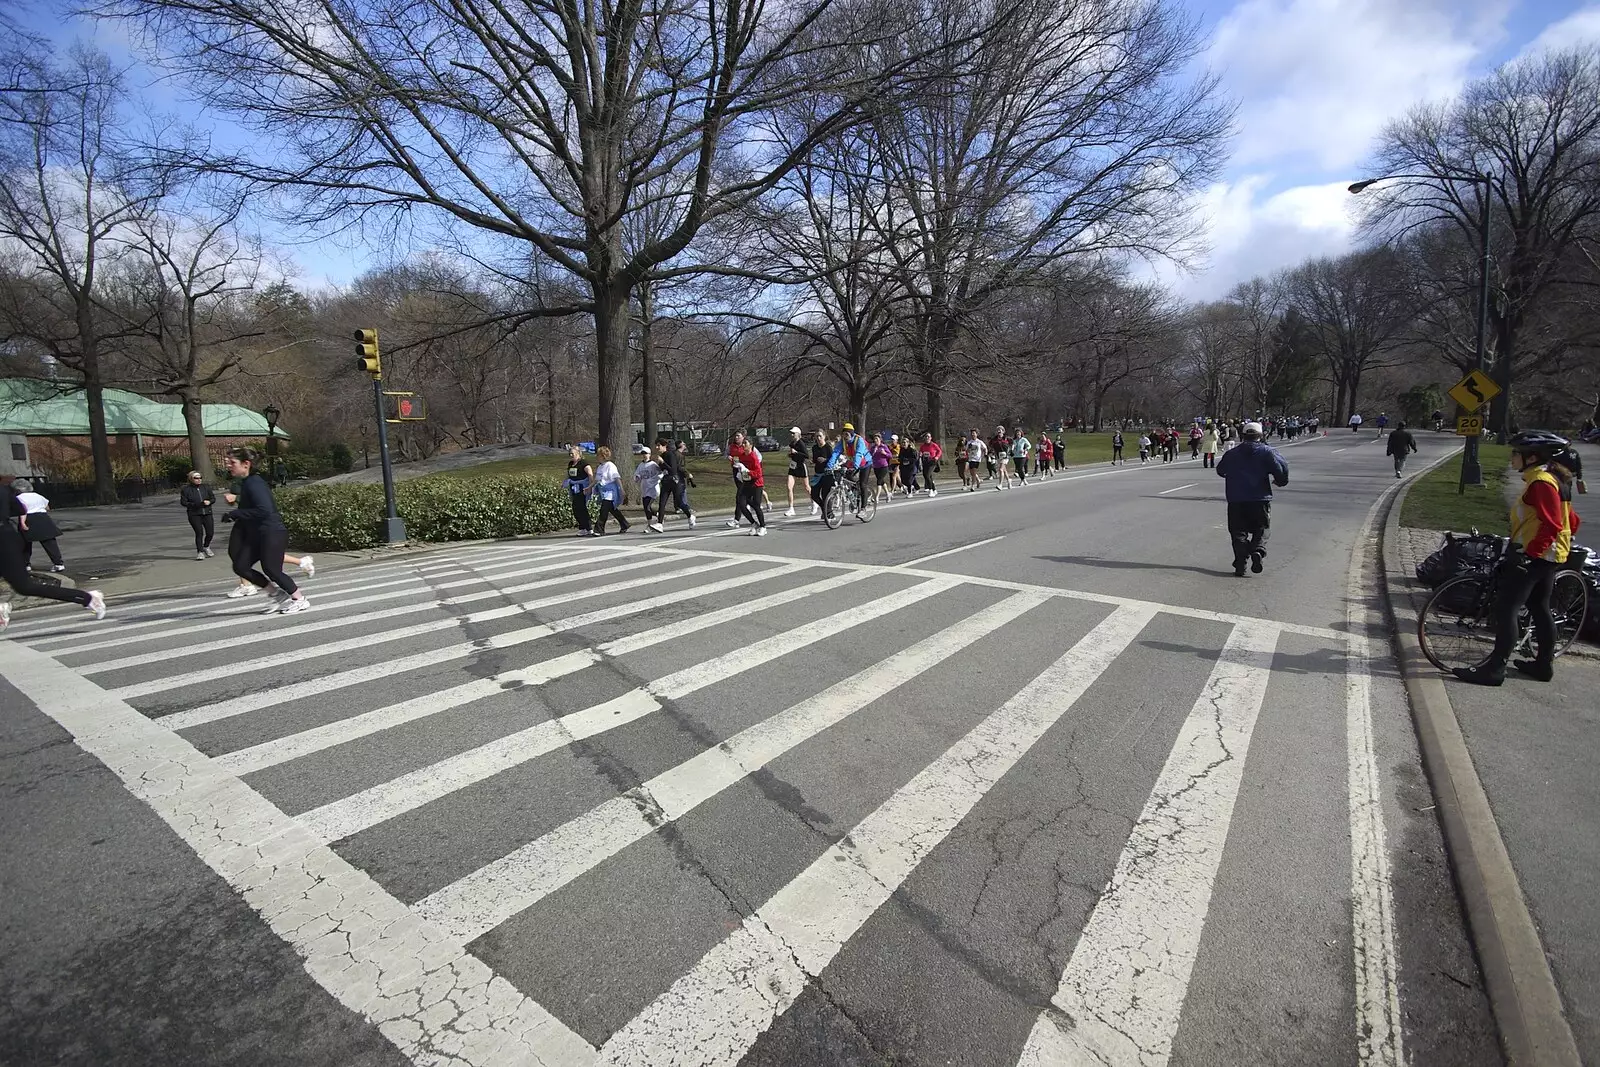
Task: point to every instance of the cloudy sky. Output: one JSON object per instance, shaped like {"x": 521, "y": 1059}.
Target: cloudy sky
{"x": 1315, "y": 80}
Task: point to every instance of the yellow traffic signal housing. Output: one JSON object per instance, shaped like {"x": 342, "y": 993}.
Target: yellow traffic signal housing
{"x": 367, "y": 350}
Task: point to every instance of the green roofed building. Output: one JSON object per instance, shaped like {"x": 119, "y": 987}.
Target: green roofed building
{"x": 44, "y": 428}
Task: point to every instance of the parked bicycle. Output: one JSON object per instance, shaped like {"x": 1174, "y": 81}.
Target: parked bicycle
{"x": 1457, "y": 625}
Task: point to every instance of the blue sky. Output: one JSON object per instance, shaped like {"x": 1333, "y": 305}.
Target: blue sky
{"x": 1315, "y": 81}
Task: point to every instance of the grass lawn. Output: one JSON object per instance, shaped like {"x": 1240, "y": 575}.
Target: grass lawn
{"x": 1435, "y": 503}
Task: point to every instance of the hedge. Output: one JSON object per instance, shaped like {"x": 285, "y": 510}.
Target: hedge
{"x": 340, "y": 517}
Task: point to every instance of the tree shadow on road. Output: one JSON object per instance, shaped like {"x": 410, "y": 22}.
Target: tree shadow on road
{"x": 1126, "y": 564}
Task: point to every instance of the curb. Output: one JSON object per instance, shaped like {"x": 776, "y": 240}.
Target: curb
{"x": 1522, "y": 991}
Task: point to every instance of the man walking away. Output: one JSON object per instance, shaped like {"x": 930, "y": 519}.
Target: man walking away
{"x": 1401, "y": 445}
{"x": 1250, "y": 470}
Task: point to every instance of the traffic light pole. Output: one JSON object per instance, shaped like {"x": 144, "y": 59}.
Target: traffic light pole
{"x": 394, "y": 530}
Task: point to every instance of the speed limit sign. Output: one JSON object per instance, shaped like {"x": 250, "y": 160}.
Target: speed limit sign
{"x": 1469, "y": 425}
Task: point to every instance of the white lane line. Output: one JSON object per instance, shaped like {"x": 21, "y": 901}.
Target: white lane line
{"x": 365, "y": 641}
{"x": 437, "y": 1003}
{"x": 1336, "y": 451}
{"x": 475, "y": 904}
{"x": 1377, "y": 986}
{"x": 342, "y": 818}
{"x": 294, "y": 746}
{"x": 292, "y": 628}
{"x": 1122, "y": 992}
{"x": 950, "y": 551}
{"x": 717, "y": 1011}
{"x": 247, "y": 702}
{"x": 1177, "y": 489}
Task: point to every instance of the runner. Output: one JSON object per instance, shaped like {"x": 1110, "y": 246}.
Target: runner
{"x": 1401, "y": 444}
{"x": 579, "y": 476}
{"x": 648, "y": 475}
{"x": 1195, "y": 433}
{"x": 14, "y": 569}
{"x": 264, "y": 534}
{"x": 821, "y": 479}
{"x": 910, "y": 463}
{"x": 1061, "y": 452}
{"x": 1020, "y": 447}
{"x": 1116, "y": 448}
{"x": 1144, "y": 448}
{"x": 974, "y": 452}
{"x": 1045, "y": 457}
{"x": 42, "y": 529}
{"x": 675, "y": 481}
{"x": 197, "y": 499}
{"x": 606, "y": 487}
{"x": 881, "y": 462}
{"x": 745, "y": 459}
{"x": 1250, "y": 471}
{"x": 1355, "y": 423}
{"x": 930, "y": 454}
{"x": 799, "y": 453}
{"x": 1000, "y": 455}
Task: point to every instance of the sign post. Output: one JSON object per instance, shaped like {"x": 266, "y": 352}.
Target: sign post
{"x": 1473, "y": 393}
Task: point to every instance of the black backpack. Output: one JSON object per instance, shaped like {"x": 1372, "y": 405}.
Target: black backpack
{"x": 1473, "y": 553}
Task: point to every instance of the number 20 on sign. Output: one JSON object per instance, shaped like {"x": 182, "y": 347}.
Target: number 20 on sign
{"x": 1469, "y": 426}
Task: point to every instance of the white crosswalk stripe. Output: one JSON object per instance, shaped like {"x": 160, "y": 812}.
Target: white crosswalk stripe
{"x": 653, "y": 637}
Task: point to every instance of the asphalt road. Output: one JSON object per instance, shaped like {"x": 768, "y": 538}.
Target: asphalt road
{"x": 1000, "y": 778}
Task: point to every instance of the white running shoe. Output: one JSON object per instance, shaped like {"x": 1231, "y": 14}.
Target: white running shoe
{"x": 755, "y": 531}
{"x": 656, "y": 527}
{"x": 209, "y": 553}
{"x": 814, "y": 510}
{"x": 691, "y": 522}
{"x": 59, "y": 568}
{"x": 308, "y": 566}
{"x": 732, "y": 524}
{"x": 97, "y": 604}
{"x": 5, "y": 614}
{"x": 761, "y": 531}
{"x": 933, "y": 492}
{"x": 242, "y": 590}
{"x": 275, "y": 602}
{"x": 789, "y": 514}
{"x": 200, "y": 555}
{"x": 293, "y": 605}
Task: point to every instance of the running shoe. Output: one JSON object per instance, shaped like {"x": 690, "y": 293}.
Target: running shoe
{"x": 732, "y": 524}
{"x": 209, "y": 553}
{"x": 294, "y": 605}
{"x": 691, "y": 522}
{"x": 5, "y": 614}
{"x": 199, "y": 555}
{"x": 275, "y": 602}
{"x": 761, "y": 531}
{"x": 755, "y": 531}
{"x": 308, "y": 566}
{"x": 59, "y": 568}
{"x": 656, "y": 527}
{"x": 97, "y": 604}
{"x": 242, "y": 590}
{"x": 932, "y": 493}
{"x": 789, "y": 514}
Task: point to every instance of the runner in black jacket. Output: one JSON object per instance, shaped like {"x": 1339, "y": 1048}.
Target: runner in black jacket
{"x": 14, "y": 565}
{"x": 265, "y": 536}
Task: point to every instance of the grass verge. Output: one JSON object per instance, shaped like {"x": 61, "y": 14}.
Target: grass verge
{"x": 1435, "y": 501}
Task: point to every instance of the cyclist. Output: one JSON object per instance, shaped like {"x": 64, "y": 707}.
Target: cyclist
{"x": 1438, "y": 420}
{"x": 1542, "y": 525}
{"x": 852, "y": 455}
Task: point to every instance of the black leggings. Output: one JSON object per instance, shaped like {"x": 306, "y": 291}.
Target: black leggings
{"x": 265, "y": 547}
{"x": 51, "y": 549}
{"x": 747, "y": 504}
{"x": 204, "y": 530}
{"x": 580, "y": 510}
{"x": 14, "y": 569}
{"x": 1516, "y": 586}
{"x": 927, "y": 473}
{"x": 608, "y": 508}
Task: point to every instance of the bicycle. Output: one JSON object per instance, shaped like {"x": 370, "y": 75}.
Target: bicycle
{"x": 1457, "y": 625}
{"x": 845, "y": 497}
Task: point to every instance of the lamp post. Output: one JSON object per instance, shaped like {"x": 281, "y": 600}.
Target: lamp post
{"x": 271, "y": 413}
{"x": 1471, "y": 468}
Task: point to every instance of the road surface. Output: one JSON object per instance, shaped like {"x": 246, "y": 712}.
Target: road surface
{"x": 1000, "y": 778}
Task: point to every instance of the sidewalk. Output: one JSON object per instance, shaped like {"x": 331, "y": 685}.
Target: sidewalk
{"x": 1535, "y": 747}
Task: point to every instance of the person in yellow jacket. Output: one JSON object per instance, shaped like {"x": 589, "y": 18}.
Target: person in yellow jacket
{"x": 1542, "y": 525}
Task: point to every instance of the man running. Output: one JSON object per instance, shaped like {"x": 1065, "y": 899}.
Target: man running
{"x": 1250, "y": 471}
{"x": 973, "y": 452}
{"x": 799, "y": 453}
{"x": 675, "y": 481}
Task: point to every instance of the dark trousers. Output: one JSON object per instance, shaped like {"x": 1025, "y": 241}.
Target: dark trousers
{"x": 266, "y": 548}
{"x": 607, "y": 509}
{"x": 580, "y": 510}
{"x": 204, "y": 530}
{"x": 822, "y": 487}
{"x": 651, "y": 511}
{"x": 1210, "y": 460}
{"x": 678, "y": 492}
{"x": 927, "y": 474}
{"x": 1518, "y": 586}
{"x": 51, "y": 549}
{"x": 14, "y": 569}
{"x": 747, "y": 504}
{"x": 1194, "y": 449}
{"x": 1248, "y": 525}
{"x": 1399, "y": 462}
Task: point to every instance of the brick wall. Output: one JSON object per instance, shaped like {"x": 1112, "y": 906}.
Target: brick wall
{"x": 54, "y": 452}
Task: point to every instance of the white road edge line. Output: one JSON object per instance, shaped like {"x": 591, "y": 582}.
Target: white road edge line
{"x": 436, "y": 1002}
{"x": 1178, "y": 488}
{"x": 1122, "y": 992}
{"x": 949, "y": 552}
{"x": 717, "y": 1011}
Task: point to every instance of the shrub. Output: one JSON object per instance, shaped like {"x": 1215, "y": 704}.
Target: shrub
{"x": 340, "y": 458}
{"x": 437, "y": 509}
{"x": 175, "y": 469}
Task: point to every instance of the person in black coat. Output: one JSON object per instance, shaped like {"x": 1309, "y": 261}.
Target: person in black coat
{"x": 14, "y": 524}
{"x": 1401, "y": 445}
{"x": 265, "y": 537}
{"x": 197, "y": 498}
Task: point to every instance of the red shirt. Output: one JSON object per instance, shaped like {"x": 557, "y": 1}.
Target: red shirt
{"x": 931, "y": 450}
{"x": 751, "y": 458}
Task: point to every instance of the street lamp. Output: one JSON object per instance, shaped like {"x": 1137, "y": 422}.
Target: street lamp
{"x": 1471, "y": 468}
{"x": 271, "y": 413}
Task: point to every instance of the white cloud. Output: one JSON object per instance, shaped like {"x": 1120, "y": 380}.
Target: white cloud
{"x": 1254, "y": 232}
{"x": 1317, "y": 79}
{"x": 1582, "y": 27}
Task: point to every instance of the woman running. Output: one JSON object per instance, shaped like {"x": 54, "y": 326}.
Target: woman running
{"x": 264, "y": 534}
{"x": 606, "y": 487}
{"x": 238, "y": 545}
{"x": 42, "y": 530}
{"x": 579, "y": 475}
{"x": 14, "y": 566}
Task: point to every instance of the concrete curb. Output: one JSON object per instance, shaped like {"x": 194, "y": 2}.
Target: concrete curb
{"x": 1522, "y": 991}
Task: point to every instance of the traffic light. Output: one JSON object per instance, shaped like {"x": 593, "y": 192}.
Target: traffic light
{"x": 367, "y": 350}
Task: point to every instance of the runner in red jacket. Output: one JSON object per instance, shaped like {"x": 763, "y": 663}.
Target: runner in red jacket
{"x": 931, "y": 454}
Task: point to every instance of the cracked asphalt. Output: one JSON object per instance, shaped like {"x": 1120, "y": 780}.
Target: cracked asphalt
{"x": 154, "y": 910}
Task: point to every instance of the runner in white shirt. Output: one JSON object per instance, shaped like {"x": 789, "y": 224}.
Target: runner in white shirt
{"x": 972, "y": 451}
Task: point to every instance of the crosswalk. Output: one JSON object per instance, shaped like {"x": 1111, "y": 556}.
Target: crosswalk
{"x": 624, "y": 804}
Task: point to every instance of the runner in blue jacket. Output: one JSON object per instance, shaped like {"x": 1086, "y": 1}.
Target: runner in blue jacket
{"x": 1250, "y": 470}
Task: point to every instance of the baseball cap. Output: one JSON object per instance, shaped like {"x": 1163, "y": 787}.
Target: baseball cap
{"x": 794, "y": 429}
{"x": 640, "y": 450}
{"x": 1250, "y": 427}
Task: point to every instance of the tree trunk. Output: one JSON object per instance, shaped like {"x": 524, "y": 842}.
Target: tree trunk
{"x": 612, "y": 330}
{"x": 1501, "y": 420}
{"x": 935, "y": 398}
{"x": 199, "y": 457}
{"x": 646, "y": 357}
{"x": 858, "y": 407}
{"x": 105, "y": 486}
{"x": 1339, "y": 416}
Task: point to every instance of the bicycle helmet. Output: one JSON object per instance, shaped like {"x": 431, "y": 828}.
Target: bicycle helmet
{"x": 1541, "y": 443}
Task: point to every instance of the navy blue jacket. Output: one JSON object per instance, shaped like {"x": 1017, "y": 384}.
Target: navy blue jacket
{"x": 1250, "y": 470}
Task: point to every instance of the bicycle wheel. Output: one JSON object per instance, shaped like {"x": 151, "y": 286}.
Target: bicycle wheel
{"x": 1569, "y": 604}
{"x": 869, "y": 507}
{"x": 833, "y": 507}
{"x": 1456, "y": 627}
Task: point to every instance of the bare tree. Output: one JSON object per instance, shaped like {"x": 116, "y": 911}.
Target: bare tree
{"x": 1533, "y": 128}
{"x": 67, "y": 191}
{"x": 545, "y": 123}
{"x": 1061, "y": 130}
{"x": 1354, "y": 308}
